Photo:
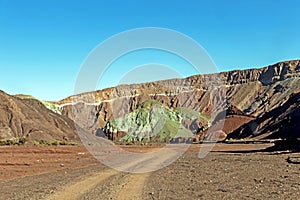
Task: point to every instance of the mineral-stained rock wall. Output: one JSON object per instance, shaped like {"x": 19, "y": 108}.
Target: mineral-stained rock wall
{"x": 252, "y": 92}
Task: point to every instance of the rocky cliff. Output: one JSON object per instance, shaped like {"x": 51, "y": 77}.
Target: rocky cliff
{"x": 255, "y": 103}
{"x": 281, "y": 122}
{"x": 251, "y": 93}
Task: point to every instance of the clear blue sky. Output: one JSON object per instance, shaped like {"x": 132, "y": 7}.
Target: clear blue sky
{"x": 44, "y": 42}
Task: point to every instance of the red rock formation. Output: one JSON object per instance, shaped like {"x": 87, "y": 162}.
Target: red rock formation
{"x": 249, "y": 93}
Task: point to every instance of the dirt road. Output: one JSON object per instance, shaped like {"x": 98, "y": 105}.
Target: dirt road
{"x": 78, "y": 189}
{"x": 107, "y": 184}
{"x": 122, "y": 185}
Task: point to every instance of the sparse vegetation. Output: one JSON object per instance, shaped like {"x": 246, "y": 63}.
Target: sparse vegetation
{"x": 53, "y": 143}
{"x": 23, "y": 141}
{"x": 14, "y": 141}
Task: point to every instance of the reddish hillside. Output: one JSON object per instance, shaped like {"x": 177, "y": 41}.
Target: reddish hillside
{"x": 30, "y": 118}
{"x": 281, "y": 122}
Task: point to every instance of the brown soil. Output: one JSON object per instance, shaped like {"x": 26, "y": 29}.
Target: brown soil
{"x": 22, "y": 161}
{"x": 232, "y": 122}
{"x": 68, "y": 172}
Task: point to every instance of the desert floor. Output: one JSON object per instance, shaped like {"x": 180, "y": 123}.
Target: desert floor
{"x": 229, "y": 171}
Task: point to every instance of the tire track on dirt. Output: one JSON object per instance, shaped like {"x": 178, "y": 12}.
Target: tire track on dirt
{"x": 133, "y": 187}
{"x": 114, "y": 184}
{"x": 78, "y": 189}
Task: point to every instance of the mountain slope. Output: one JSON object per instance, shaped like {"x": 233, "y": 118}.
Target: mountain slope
{"x": 281, "y": 122}
{"x": 259, "y": 103}
{"x": 49, "y": 105}
{"x": 31, "y": 119}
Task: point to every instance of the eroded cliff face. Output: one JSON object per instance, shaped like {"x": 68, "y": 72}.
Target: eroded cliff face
{"x": 281, "y": 122}
{"x": 251, "y": 92}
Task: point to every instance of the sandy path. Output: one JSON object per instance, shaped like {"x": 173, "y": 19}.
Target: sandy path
{"x": 128, "y": 186}
{"x": 78, "y": 189}
{"x": 112, "y": 183}
{"x": 134, "y": 187}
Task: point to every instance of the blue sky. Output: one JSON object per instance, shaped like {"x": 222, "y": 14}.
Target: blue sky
{"x": 44, "y": 43}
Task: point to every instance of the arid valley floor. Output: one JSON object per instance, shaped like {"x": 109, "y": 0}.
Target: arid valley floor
{"x": 70, "y": 172}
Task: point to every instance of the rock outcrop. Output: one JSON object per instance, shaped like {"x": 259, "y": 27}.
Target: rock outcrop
{"x": 153, "y": 121}
{"x": 281, "y": 122}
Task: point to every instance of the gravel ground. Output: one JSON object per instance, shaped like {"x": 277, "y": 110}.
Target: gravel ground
{"x": 222, "y": 174}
